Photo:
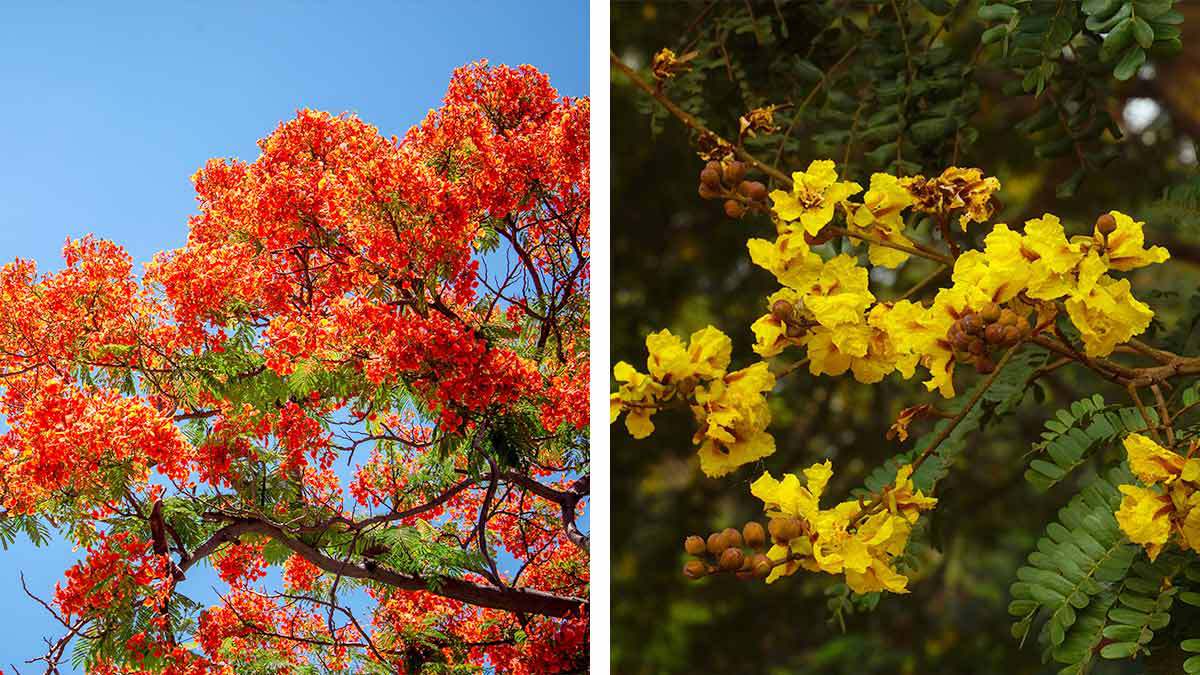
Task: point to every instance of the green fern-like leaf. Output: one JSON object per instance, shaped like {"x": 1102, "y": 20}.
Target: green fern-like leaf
{"x": 1078, "y": 561}
{"x": 1075, "y": 433}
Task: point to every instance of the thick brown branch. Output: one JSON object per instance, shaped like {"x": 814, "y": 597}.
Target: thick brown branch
{"x": 510, "y": 599}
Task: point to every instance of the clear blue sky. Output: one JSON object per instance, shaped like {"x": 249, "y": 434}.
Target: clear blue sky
{"x": 107, "y": 110}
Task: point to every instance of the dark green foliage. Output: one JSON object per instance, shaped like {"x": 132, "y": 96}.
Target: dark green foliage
{"x": 1074, "y": 433}
{"x": 1081, "y": 558}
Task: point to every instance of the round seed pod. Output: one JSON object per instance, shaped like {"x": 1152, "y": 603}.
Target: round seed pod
{"x": 782, "y": 310}
{"x": 734, "y": 208}
{"x": 754, "y": 535}
{"x": 715, "y": 543}
{"x": 733, "y": 538}
{"x": 753, "y": 190}
{"x": 710, "y": 178}
{"x": 734, "y": 172}
{"x": 994, "y": 334}
{"x": 990, "y": 313}
{"x": 971, "y": 324}
{"x": 762, "y": 566}
{"x": 784, "y": 530}
{"x": 732, "y": 559}
{"x": 1106, "y": 224}
{"x": 694, "y": 569}
{"x": 694, "y": 545}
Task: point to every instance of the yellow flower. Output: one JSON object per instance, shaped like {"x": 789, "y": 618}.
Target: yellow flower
{"x": 733, "y": 416}
{"x": 881, "y": 215}
{"x": 814, "y": 195}
{"x": 1151, "y": 462}
{"x": 1123, "y": 248}
{"x": 955, "y": 189}
{"x": 906, "y": 501}
{"x": 638, "y": 396}
{"x": 840, "y": 294}
{"x": 788, "y": 258}
{"x": 1145, "y": 517}
{"x": 1107, "y": 316}
{"x": 787, "y": 497}
{"x": 1054, "y": 259}
{"x": 705, "y": 357}
{"x": 770, "y": 331}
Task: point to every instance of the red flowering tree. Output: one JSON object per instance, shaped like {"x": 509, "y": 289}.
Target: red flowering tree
{"x": 358, "y": 392}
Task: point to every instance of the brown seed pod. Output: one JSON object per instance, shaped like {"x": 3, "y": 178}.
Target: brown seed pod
{"x": 784, "y": 530}
{"x": 994, "y": 334}
{"x": 716, "y": 543}
{"x": 753, "y": 190}
{"x": 695, "y": 569}
{"x": 1106, "y": 224}
{"x": 762, "y": 566}
{"x": 733, "y": 538}
{"x": 754, "y": 535}
{"x": 710, "y": 178}
{"x": 977, "y": 347}
{"x": 990, "y": 313}
{"x": 734, "y": 208}
{"x": 732, "y": 559}
{"x": 694, "y": 545}
{"x": 734, "y": 172}
{"x": 971, "y": 324}
{"x": 782, "y": 310}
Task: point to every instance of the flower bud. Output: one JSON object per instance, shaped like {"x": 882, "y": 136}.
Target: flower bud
{"x": 1022, "y": 325}
{"x": 784, "y": 530}
{"x": 782, "y": 310}
{"x": 971, "y": 324}
{"x": 1106, "y": 224}
{"x": 762, "y": 566}
{"x": 754, "y": 535}
{"x": 1011, "y": 335}
{"x": 694, "y": 545}
{"x": 985, "y": 365}
{"x": 716, "y": 543}
{"x": 735, "y": 171}
{"x": 695, "y": 569}
{"x": 707, "y": 192}
{"x": 1008, "y": 317}
{"x": 714, "y": 166}
{"x": 733, "y": 538}
{"x": 795, "y": 330}
{"x": 732, "y": 559}
{"x": 990, "y": 313}
{"x": 977, "y": 347}
{"x": 753, "y": 190}
{"x": 710, "y": 178}
{"x": 734, "y": 208}
{"x": 994, "y": 334}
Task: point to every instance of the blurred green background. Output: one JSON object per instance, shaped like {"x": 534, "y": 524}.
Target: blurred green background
{"x": 678, "y": 263}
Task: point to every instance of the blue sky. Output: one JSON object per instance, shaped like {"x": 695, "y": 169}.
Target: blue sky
{"x": 108, "y": 110}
